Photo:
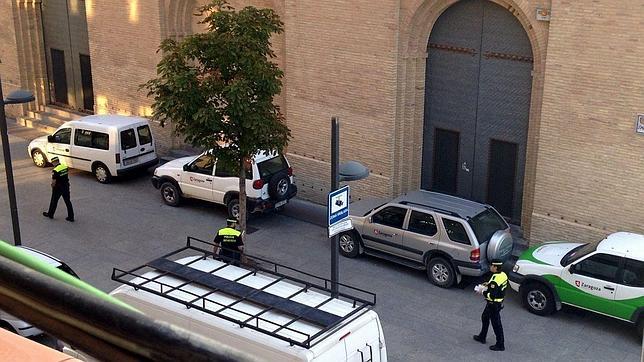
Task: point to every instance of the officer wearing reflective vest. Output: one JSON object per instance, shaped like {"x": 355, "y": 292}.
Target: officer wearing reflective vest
{"x": 59, "y": 187}
{"x": 493, "y": 291}
{"x": 228, "y": 242}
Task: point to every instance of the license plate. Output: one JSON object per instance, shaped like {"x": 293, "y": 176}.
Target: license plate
{"x": 130, "y": 161}
{"x": 281, "y": 203}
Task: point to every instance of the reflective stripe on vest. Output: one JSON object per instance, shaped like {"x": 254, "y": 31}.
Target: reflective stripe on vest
{"x": 229, "y": 234}
{"x": 61, "y": 169}
{"x": 500, "y": 279}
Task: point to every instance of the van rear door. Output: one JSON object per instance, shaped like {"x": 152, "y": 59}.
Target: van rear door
{"x": 146, "y": 143}
{"x": 364, "y": 344}
{"x": 129, "y": 146}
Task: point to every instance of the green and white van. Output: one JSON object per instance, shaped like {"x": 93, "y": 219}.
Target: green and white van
{"x": 605, "y": 277}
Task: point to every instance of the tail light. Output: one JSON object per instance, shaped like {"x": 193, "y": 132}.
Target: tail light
{"x": 118, "y": 158}
{"x": 475, "y": 255}
{"x": 290, "y": 171}
{"x": 258, "y": 184}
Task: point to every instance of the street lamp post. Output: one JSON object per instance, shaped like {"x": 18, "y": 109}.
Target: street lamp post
{"x": 15, "y": 97}
{"x": 348, "y": 171}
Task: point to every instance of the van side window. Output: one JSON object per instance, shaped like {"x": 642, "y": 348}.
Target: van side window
{"x": 128, "y": 139}
{"x": 91, "y": 139}
{"x": 63, "y": 136}
{"x": 145, "y": 136}
{"x": 456, "y": 232}
{"x": 633, "y": 273}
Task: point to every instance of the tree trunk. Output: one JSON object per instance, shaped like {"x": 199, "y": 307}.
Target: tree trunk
{"x": 242, "y": 196}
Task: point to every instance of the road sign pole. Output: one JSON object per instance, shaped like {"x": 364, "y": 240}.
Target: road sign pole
{"x": 335, "y": 184}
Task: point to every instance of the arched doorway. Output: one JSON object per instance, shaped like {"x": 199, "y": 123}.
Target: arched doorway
{"x": 477, "y": 103}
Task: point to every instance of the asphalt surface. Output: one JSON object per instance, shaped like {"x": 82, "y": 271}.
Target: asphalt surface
{"x": 125, "y": 224}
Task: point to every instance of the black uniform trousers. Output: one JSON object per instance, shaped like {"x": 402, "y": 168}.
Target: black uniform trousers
{"x": 56, "y": 193}
{"x": 492, "y": 312}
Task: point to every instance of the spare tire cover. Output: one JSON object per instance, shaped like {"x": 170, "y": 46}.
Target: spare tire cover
{"x": 500, "y": 245}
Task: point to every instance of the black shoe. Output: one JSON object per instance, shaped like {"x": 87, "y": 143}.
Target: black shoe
{"x": 45, "y": 214}
{"x": 69, "y": 219}
{"x": 478, "y": 338}
{"x": 494, "y": 347}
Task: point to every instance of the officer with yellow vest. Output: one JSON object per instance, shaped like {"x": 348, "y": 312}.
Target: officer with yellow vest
{"x": 59, "y": 187}
{"x": 228, "y": 242}
{"x": 493, "y": 292}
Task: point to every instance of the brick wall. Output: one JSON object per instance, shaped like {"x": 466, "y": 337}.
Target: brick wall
{"x": 124, "y": 36}
{"x": 9, "y": 68}
{"x": 591, "y": 165}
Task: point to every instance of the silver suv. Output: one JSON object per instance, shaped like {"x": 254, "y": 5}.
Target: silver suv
{"x": 445, "y": 235}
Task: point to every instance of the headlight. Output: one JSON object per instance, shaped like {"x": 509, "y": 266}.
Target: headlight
{"x": 516, "y": 268}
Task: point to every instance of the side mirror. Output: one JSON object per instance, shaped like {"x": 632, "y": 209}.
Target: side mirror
{"x": 369, "y": 220}
{"x": 185, "y": 167}
{"x": 571, "y": 269}
{"x": 50, "y": 139}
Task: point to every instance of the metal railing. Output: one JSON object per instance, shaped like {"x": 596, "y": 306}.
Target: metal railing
{"x": 99, "y": 328}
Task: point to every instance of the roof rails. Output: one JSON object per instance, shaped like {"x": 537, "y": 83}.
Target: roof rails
{"x": 448, "y": 212}
{"x": 269, "y": 302}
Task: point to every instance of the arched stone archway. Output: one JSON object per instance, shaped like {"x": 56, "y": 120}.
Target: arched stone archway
{"x": 416, "y": 29}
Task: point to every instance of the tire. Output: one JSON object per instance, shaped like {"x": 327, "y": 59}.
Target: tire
{"x": 440, "y": 272}
{"x": 538, "y": 299}
{"x": 170, "y": 194}
{"x": 349, "y": 244}
{"x": 233, "y": 208}
{"x": 279, "y": 186}
{"x": 640, "y": 326}
{"x": 102, "y": 173}
{"x": 39, "y": 158}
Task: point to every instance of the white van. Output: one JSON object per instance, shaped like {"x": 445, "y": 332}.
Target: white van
{"x": 266, "y": 310}
{"x": 106, "y": 145}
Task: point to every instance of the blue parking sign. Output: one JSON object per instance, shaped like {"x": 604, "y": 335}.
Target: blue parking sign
{"x": 338, "y": 205}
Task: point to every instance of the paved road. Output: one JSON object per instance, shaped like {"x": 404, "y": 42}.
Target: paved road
{"x": 125, "y": 224}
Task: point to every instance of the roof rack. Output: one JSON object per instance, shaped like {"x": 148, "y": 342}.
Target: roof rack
{"x": 214, "y": 284}
{"x": 448, "y": 212}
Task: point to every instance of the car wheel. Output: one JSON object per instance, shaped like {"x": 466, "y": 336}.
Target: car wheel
{"x": 349, "y": 244}
{"x": 640, "y": 326}
{"x": 440, "y": 272}
{"x": 102, "y": 173}
{"x": 39, "y": 158}
{"x": 279, "y": 186}
{"x": 538, "y": 299}
{"x": 170, "y": 194}
{"x": 233, "y": 208}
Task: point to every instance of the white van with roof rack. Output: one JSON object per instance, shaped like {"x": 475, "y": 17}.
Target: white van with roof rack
{"x": 271, "y": 311}
{"x": 106, "y": 145}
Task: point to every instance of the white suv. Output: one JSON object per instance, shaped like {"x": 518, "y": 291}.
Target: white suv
{"x": 269, "y": 182}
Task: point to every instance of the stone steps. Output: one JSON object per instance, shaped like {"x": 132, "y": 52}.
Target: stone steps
{"x": 48, "y": 119}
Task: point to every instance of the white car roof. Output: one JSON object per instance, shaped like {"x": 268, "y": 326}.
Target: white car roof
{"x": 627, "y": 243}
{"x": 112, "y": 120}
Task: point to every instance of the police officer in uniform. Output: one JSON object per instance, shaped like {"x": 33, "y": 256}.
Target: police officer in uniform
{"x": 229, "y": 242}
{"x": 59, "y": 187}
{"x": 494, "y": 295}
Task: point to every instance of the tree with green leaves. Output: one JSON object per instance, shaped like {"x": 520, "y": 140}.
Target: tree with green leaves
{"x": 217, "y": 87}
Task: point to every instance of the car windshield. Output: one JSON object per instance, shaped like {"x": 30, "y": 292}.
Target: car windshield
{"x": 272, "y": 166}
{"x": 486, "y": 224}
{"x": 578, "y": 252}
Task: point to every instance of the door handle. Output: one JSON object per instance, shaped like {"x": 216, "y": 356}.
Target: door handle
{"x": 142, "y": 149}
{"x": 209, "y": 179}
{"x": 464, "y": 167}
{"x": 608, "y": 287}
{"x": 66, "y": 149}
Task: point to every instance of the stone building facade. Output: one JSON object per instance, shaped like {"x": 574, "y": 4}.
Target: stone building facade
{"x": 422, "y": 91}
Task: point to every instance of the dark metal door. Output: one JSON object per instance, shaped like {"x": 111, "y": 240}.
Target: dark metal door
{"x": 86, "y": 81}
{"x": 502, "y": 175}
{"x": 478, "y": 83}
{"x": 59, "y": 76}
{"x": 445, "y": 161}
